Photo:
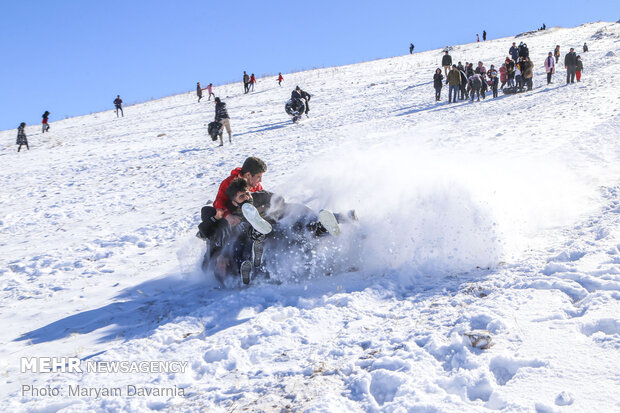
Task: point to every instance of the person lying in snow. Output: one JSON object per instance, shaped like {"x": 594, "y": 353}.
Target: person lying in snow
{"x": 263, "y": 218}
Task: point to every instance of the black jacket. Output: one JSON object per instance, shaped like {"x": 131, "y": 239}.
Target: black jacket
{"x": 446, "y": 60}
{"x": 438, "y": 80}
{"x": 570, "y": 59}
{"x": 220, "y": 111}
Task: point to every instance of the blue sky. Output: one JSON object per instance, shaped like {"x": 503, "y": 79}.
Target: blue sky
{"x": 73, "y": 57}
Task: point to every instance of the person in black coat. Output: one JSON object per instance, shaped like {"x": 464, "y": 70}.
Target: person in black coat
{"x": 303, "y": 96}
{"x": 524, "y": 51}
{"x": 514, "y": 52}
{"x": 21, "y": 137}
{"x": 570, "y": 63}
{"x": 411, "y": 47}
{"x": 221, "y": 115}
{"x": 118, "y": 104}
{"x": 438, "y": 83}
{"x": 484, "y": 35}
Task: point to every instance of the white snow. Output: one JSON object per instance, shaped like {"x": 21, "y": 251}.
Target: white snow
{"x": 501, "y": 216}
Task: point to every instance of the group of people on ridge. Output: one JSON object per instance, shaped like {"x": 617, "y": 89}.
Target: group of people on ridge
{"x": 516, "y": 72}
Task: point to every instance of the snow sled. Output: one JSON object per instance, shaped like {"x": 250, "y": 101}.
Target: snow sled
{"x": 512, "y": 90}
{"x": 283, "y": 252}
{"x": 215, "y": 130}
{"x": 295, "y": 108}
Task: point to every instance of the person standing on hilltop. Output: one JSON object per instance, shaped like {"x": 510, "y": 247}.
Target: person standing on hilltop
{"x": 477, "y": 38}
{"x": 549, "y": 67}
{"x": 411, "y": 47}
{"x": 570, "y": 63}
{"x": 118, "y": 104}
{"x": 484, "y": 35}
{"x": 21, "y": 137}
{"x": 199, "y": 91}
{"x": 44, "y": 125}
{"x": 246, "y": 82}
{"x": 446, "y": 62}
{"x": 280, "y": 79}
{"x": 221, "y": 115}
{"x": 438, "y": 83}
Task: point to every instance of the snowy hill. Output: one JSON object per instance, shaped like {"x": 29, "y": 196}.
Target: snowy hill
{"x": 501, "y": 215}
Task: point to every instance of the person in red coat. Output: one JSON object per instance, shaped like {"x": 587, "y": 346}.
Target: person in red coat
{"x": 252, "y": 170}
{"x": 280, "y": 79}
{"x": 217, "y": 222}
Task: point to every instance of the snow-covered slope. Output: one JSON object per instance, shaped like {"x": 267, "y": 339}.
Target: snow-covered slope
{"x": 501, "y": 215}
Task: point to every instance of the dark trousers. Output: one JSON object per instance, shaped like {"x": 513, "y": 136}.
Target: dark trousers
{"x": 494, "y": 91}
{"x": 437, "y": 93}
{"x": 246, "y": 87}
{"x": 121, "y": 109}
{"x": 475, "y": 91}
{"x": 549, "y": 77}
{"x": 20, "y": 146}
{"x": 529, "y": 83}
{"x": 570, "y": 73}
{"x": 463, "y": 91}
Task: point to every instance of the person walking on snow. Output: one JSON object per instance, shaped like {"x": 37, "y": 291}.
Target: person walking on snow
{"x": 252, "y": 81}
{"x": 484, "y": 35}
{"x": 579, "y": 68}
{"x": 556, "y": 53}
{"x": 570, "y": 63}
{"x": 446, "y": 62}
{"x": 210, "y": 90}
{"x": 438, "y": 83}
{"x": 118, "y": 104}
{"x": 221, "y": 115}
{"x": 454, "y": 84}
{"x": 411, "y": 47}
{"x": 246, "y": 82}
{"x": 21, "y": 137}
{"x": 280, "y": 79}
{"x": 549, "y": 67}
{"x": 199, "y": 91}
{"x": 585, "y": 47}
{"x": 44, "y": 125}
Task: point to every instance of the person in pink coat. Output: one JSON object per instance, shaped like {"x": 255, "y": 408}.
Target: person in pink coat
{"x": 503, "y": 75}
{"x": 549, "y": 66}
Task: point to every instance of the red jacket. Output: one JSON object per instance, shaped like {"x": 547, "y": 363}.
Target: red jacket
{"x": 221, "y": 199}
